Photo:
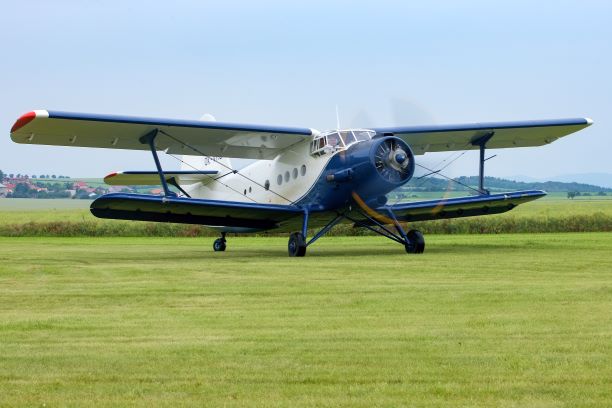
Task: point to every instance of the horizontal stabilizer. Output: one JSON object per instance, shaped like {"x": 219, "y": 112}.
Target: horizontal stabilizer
{"x": 151, "y": 178}
{"x": 456, "y": 207}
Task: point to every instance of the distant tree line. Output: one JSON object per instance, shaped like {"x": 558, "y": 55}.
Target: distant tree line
{"x": 494, "y": 183}
{"x": 33, "y": 176}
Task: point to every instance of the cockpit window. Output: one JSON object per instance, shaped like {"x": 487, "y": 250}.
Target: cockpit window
{"x": 347, "y": 137}
{"x": 331, "y": 141}
{"x": 363, "y": 134}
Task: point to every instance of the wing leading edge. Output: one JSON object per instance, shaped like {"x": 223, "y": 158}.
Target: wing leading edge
{"x": 176, "y": 136}
{"x": 440, "y": 138}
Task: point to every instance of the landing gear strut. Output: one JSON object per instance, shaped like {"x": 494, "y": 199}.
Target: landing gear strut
{"x": 413, "y": 241}
{"x": 220, "y": 243}
{"x": 297, "y": 240}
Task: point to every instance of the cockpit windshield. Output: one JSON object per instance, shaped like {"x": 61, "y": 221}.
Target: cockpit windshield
{"x": 331, "y": 141}
{"x": 347, "y": 137}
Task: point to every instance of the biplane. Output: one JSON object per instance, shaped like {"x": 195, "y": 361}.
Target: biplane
{"x": 300, "y": 179}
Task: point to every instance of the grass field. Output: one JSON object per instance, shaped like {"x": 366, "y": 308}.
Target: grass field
{"x": 499, "y": 320}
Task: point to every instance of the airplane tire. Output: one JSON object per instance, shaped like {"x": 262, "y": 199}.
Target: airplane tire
{"x": 297, "y": 244}
{"x": 219, "y": 245}
{"x": 416, "y": 244}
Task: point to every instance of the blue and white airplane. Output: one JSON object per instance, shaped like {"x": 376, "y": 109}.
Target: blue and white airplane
{"x": 301, "y": 178}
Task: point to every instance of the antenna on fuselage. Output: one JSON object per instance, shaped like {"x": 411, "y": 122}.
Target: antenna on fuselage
{"x": 337, "y": 118}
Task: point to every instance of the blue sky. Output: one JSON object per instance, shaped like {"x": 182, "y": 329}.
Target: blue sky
{"x": 275, "y": 62}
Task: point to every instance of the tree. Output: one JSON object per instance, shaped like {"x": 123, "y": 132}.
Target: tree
{"x": 53, "y": 176}
{"x": 1, "y": 175}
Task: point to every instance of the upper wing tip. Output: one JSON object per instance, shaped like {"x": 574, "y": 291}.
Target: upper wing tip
{"x": 589, "y": 121}
{"x": 28, "y": 117}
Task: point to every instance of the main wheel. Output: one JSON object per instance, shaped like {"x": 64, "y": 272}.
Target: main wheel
{"x": 416, "y": 242}
{"x": 219, "y": 245}
{"x": 297, "y": 244}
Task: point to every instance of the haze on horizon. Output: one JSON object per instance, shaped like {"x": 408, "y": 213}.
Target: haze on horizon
{"x": 382, "y": 63}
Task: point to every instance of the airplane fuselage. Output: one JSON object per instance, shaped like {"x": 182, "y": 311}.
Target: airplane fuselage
{"x": 317, "y": 177}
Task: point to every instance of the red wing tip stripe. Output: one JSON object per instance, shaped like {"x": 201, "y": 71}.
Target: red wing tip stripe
{"x": 110, "y": 175}
{"x": 27, "y": 118}
{"x": 23, "y": 120}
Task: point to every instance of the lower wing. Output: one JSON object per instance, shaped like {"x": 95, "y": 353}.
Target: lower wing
{"x": 225, "y": 215}
{"x": 451, "y": 207}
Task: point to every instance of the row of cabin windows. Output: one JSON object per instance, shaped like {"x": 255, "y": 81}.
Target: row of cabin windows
{"x": 287, "y": 177}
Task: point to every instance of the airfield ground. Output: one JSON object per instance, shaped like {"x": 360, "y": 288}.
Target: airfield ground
{"x": 512, "y": 320}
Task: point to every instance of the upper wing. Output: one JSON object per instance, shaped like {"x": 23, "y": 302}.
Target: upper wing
{"x": 190, "y": 137}
{"x": 440, "y": 138}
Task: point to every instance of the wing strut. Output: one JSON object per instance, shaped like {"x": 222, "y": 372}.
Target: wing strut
{"x": 149, "y": 139}
{"x": 481, "y": 143}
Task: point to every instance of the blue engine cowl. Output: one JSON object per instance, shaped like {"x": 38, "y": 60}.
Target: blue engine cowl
{"x": 374, "y": 168}
{"x": 381, "y": 166}
{"x": 369, "y": 169}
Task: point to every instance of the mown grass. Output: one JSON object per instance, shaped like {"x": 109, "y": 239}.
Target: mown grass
{"x": 505, "y": 321}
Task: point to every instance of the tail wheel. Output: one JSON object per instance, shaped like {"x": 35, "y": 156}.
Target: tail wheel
{"x": 416, "y": 242}
{"x": 297, "y": 244}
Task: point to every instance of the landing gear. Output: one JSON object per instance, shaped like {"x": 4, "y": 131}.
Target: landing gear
{"x": 416, "y": 242}
{"x": 219, "y": 244}
{"x": 297, "y": 244}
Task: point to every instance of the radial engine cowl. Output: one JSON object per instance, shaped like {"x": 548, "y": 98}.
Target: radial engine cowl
{"x": 393, "y": 160}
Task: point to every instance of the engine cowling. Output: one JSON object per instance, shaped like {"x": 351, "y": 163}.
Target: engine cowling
{"x": 369, "y": 169}
{"x": 381, "y": 166}
{"x": 393, "y": 160}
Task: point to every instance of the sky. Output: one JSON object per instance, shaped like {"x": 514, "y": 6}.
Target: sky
{"x": 382, "y": 63}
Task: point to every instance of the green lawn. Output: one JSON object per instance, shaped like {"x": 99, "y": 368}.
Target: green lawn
{"x": 499, "y": 321}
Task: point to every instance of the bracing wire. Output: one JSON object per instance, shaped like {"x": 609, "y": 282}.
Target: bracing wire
{"x": 224, "y": 165}
{"x": 211, "y": 177}
{"x": 448, "y": 178}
